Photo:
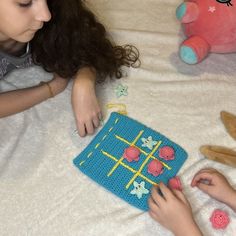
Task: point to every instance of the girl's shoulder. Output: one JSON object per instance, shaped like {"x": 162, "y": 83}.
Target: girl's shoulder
{"x": 9, "y": 62}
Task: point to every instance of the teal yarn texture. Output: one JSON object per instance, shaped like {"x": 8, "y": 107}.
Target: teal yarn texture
{"x": 103, "y": 159}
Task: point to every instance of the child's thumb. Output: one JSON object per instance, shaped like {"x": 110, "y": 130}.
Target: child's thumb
{"x": 204, "y": 187}
{"x": 179, "y": 195}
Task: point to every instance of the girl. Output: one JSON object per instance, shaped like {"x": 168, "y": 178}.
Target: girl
{"x": 64, "y": 38}
{"x": 174, "y": 212}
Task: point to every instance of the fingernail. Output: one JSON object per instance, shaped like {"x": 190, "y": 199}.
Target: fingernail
{"x": 204, "y": 181}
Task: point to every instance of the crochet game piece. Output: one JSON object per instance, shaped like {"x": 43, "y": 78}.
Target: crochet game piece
{"x": 120, "y": 158}
{"x": 219, "y": 219}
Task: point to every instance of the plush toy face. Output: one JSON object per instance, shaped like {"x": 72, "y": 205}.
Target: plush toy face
{"x": 210, "y": 26}
{"x": 216, "y": 23}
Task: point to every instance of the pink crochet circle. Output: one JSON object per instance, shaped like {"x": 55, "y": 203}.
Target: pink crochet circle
{"x": 175, "y": 183}
{"x": 219, "y": 219}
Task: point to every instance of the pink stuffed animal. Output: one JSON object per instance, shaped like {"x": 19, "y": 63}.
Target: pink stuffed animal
{"x": 210, "y": 26}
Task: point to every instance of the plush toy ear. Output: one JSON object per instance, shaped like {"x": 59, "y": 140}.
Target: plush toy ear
{"x": 220, "y": 154}
{"x": 229, "y": 121}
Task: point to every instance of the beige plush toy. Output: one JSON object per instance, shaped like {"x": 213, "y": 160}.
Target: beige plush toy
{"x": 222, "y": 154}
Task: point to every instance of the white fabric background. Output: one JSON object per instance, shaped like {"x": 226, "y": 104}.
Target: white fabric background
{"x": 42, "y": 193}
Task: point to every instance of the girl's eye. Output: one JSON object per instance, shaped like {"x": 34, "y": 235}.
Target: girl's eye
{"x": 228, "y": 2}
{"x": 28, "y": 4}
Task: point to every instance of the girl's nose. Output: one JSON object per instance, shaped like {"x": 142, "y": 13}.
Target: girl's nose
{"x": 43, "y": 14}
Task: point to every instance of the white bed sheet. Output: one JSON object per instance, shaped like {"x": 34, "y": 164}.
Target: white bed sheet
{"x": 42, "y": 193}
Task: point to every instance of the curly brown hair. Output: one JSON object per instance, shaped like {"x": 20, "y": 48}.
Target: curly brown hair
{"x": 74, "y": 39}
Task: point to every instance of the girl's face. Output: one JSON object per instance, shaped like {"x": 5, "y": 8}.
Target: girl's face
{"x": 20, "y": 19}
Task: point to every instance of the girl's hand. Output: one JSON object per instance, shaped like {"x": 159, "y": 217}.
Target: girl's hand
{"x": 173, "y": 211}
{"x": 84, "y": 101}
{"x": 58, "y": 84}
{"x": 215, "y": 185}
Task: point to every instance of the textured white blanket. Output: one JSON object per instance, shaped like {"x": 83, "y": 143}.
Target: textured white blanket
{"x": 42, "y": 193}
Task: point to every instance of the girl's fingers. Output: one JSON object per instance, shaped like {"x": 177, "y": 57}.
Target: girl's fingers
{"x": 165, "y": 191}
{"x": 81, "y": 129}
{"x": 152, "y": 205}
{"x": 204, "y": 187}
{"x": 154, "y": 215}
{"x": 100, "y": 117}
{"x": 206, "y": 170}
{"x": 89, "y": 127}
{"x": 157, "y": 198}
{"x": 201, "y": 176}
{"x": 96, "y": 122}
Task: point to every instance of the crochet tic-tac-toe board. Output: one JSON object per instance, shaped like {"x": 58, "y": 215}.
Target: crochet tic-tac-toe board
{"x": 128, "y": 158}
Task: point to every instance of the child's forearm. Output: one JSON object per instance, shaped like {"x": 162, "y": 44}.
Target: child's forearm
{"x": 191, "y": 229}
{"x": 86, "y": 75}
{"x": 231, "y": 201}
{"x": 19, "y": 100}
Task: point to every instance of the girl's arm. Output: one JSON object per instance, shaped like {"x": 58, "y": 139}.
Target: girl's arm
{"x": 231, "y": 201}
{"x": 16, "y": 101}
{"x": 84, "y": 101}
{"x": 215, "y": 185}
{"x": 172, "y": 210}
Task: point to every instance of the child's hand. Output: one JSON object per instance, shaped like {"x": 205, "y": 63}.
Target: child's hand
{"x": 216, "y": 185}
{"x": 58, "y": 84}
{"x": 85, "y": 104}
{"x": 172, "y": 211}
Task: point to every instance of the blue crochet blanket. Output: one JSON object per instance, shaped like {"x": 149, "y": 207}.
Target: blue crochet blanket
{"x": 103, "y": 159}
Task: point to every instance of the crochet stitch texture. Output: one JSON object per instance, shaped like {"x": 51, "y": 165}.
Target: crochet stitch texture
{"x": 219, "y": 219}
{"x": 103, "y": 161}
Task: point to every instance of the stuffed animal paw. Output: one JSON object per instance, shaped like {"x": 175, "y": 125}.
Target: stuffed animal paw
{"x": 229, "y": 121}
{"x": 209, "y": 26}
{"x": 221, "y": 154}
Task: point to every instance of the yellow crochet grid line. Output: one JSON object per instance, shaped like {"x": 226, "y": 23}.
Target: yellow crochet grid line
{"x": 98, "y": 144}
{"x": 122, "y": 158}
{"x": 142, "y": 166}
{"x": 128, "y": 167}
{"x": 119, "y": 162}
{"x": 145, "y": 153}
{"x": 137, "y": 173}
